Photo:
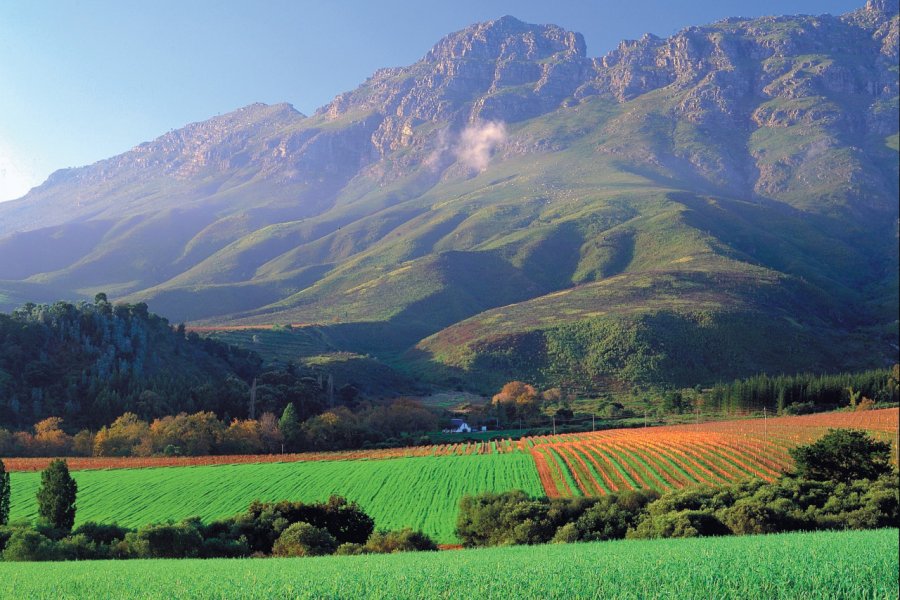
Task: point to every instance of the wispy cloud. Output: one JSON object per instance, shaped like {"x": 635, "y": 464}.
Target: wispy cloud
{"x": 477, "y": 143}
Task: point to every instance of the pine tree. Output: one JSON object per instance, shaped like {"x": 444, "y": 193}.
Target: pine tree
{"x": 4, "y": 494}
{"x": 56, "y": 497}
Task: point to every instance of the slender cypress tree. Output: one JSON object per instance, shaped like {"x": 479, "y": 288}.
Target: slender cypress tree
{"x": 4, "y": 494}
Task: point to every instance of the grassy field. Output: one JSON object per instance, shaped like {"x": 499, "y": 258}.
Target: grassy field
{"x": 735, "y": 567}
{"x": 422, "y": 492}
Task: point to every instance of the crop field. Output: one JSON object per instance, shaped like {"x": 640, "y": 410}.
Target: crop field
{"x": 428, "y": 481}
{"x": 422, "y": 493}
{"x": 664, "y": 458}
{"x": 751, "y": 567}
{"x": 81, "y": 463}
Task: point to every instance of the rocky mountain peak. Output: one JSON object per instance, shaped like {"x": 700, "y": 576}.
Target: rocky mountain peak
{"x": 883, "y": 7}
{"x": 508, "y": 38}
{"x": 503, "y": 70}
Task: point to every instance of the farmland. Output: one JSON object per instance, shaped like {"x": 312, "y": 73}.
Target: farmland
{"x": 426, "y": 482}
{"x": 738, "y": 567}
{"x": 422, "y": 492}
{"x": 664, "y": 458}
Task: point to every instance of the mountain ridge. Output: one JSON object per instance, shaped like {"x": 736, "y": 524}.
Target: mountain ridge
{"x": 749, "y": 146}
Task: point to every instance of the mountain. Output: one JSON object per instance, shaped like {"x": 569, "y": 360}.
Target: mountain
{"x": 681, "y": 210}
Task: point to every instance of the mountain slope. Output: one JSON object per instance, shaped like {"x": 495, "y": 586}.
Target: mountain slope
{"x": 738, "y": 179}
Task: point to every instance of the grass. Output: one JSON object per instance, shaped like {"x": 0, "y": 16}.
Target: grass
{"x": 421, "y": 492}
{"x": 746, "y": 568}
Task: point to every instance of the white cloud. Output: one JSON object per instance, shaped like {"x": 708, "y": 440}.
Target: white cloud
{"x": 15, "y": 178}
{"x": 477, "y": 143}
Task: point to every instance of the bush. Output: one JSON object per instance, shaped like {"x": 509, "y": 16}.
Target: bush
{"x": 681, "y": 524}
{"x": 101, "y": 533}
{"x": 503, "y": 519}
{"x": 566, "y": 534}
{"x": 349, "y": 549}
{"x": 80, "y": 547}
{"x": 29, "y": 545}
{"x": 303, "y": 539}
{"x": 612, "y": 516}
{"x": 405, "y": 540}
{"x": 222, "y": 547}
{"x": 262, "y": 523}
{"x": 6, "y": 532}
{"x": 749, "y": 516}
{"x": 165, "y": 540}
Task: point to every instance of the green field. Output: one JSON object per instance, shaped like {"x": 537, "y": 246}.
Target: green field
{"x": 858, "y": 564}
{"x": 422, "y": 492}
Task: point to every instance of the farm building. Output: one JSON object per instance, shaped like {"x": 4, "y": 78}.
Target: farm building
{"x": 459, "y": 426}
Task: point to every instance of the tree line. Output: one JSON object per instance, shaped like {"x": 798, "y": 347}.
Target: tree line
{"x": 806, "y": 392}
{"x": 370, "y": 425}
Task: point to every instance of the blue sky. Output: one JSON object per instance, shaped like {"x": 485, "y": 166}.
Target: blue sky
{"x": 81, "y": 81}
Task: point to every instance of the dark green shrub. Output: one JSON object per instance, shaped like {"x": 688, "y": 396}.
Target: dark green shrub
{"x": 566, "y": 534}
{"x": 503, "y": 519}
{"x": 303, "y": 539}
{"x": 165, "y": 540}
{"x": 405, "y": 540}
{"x": 220, "y": 547}
{"x": 685, "y": 523}
{"x": 748, "y": 516}
{"x": 80, "y": 547}
{"x": 612, "y": 516}
{"x": 101, "y": 533}
{"x": 29, "y": 545}
{"x": 349, "y": 549}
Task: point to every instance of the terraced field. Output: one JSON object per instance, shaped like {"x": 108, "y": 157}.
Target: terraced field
{"x": 745, "y": 568}
{"x": 421, "y": 492}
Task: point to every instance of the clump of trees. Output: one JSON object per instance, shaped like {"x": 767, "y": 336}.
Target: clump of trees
{"x": 522, "y": 404}
{"x": 843, "y": 481}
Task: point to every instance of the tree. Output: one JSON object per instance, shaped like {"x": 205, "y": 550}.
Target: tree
{"x": 4, "y": 494}
{"x": 50, "y": 439}
{"x": 843, "y": 455}
{"x": 517, "y": 400}
{"x": 56, "y": 497}
{"x": 289, "y": 424}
